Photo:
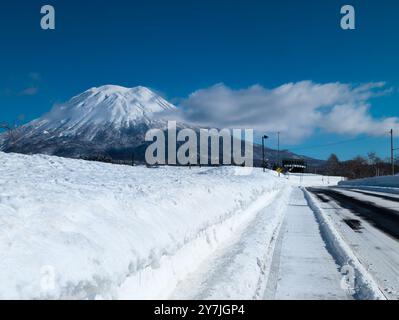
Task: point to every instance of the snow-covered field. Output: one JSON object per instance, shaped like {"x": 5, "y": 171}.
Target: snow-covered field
{"x": 77, "y": 229}
{"x": 308, "y": 179}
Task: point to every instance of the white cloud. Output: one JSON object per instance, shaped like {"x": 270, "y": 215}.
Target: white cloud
{"x": 355, "y": 120}
{"x": 297, "y": 109}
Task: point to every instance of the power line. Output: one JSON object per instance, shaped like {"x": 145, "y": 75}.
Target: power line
{"x": 332, "y": 143}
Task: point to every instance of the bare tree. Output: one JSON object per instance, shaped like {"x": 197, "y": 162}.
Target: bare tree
{"x": 374, "y": 161}
{"x": 333, "y": 165}
{"x": 11, "y": 133}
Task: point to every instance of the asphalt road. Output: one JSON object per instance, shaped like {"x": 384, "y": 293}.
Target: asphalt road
{"x": 384, "y": 218}
{"x": 369, "y": 223}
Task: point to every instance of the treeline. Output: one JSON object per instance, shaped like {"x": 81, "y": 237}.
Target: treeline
{"x": 359, "y": 167}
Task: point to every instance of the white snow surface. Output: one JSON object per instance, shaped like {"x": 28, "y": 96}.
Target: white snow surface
{"x": 303, "y": 268}
{"x": 308, "y": 179}
{"x": 88, "y": 230}
{"x": 240, "y": 269}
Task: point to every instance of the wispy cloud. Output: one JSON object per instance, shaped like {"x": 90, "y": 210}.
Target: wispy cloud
{"x": 297, "y": 109}
{"x": 26, "y": 85}
{"x": 30, "y": 91}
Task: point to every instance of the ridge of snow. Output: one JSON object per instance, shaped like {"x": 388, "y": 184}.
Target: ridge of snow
{"x": 107, "y": 231}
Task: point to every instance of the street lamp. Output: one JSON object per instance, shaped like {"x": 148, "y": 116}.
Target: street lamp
{"x": 263, "y": 152}
{"x": 393, "y": 153}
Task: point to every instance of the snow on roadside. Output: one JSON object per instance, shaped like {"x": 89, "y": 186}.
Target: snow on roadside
{"x": 240, "y": 270}
{"x": 365, "y": 286}
{"x": 86, "y": 230}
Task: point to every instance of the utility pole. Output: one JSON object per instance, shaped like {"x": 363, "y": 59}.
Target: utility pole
{"x": 263, "y": 152}
{"x": 392, "y": 153}
{"x": 392, "y": 163}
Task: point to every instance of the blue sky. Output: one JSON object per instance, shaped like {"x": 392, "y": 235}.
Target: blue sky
{"x": 180, "y": 46}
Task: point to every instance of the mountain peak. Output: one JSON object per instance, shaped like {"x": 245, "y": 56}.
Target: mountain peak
{"x": 103, "y": 107}
{"x": 100, "y": 118}
{"x": 110, "y": 89}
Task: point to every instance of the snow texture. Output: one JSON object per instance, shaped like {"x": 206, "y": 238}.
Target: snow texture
{"x": 107, "y": 104}
{"x": 87, "y": 230}
{"x": 303, "y": 269}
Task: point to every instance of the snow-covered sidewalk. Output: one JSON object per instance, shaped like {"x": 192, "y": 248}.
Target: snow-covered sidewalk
{"x": 302, "y": 267}
{"x": 239, "y": 269}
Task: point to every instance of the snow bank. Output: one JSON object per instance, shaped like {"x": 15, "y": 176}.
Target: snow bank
{"x": 240, "y": 270}
{"x": 385, "y": 182}
{"x": 250, "y": 265}
{"x": 86, "y": 230}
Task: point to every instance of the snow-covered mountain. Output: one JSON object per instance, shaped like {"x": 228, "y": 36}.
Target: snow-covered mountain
{"x": 105, "y": 120}
{"x": 108, "y": 105}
